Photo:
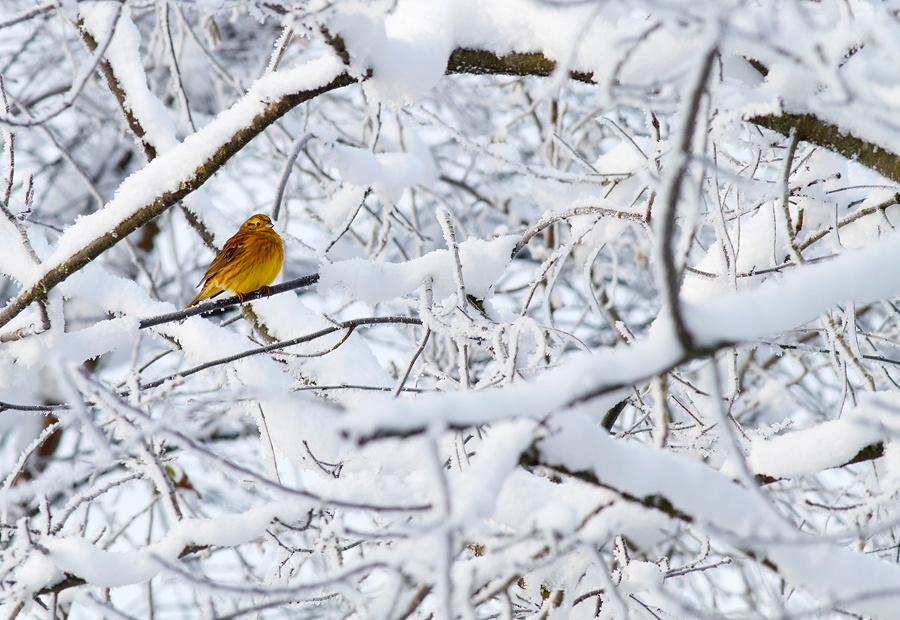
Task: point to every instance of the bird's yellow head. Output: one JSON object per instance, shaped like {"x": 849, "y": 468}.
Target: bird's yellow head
{"x": 257, "y": 222}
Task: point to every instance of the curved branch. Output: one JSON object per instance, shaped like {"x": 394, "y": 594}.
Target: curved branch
{"x": 546, "y": 221}
{"x": 670, "y": 273}
{"x": 483, "y": 62}
{"x": 298, "y": 145}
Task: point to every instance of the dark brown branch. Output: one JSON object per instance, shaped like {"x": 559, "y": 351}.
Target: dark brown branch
{"x": 70, "y": 581}
{"x": 227, "y": 302}
{"x": 816, "y": 131}
{"x": 337, "y": 44}
{"x": 483, "y": 62}
{"x": 670, "y": 288}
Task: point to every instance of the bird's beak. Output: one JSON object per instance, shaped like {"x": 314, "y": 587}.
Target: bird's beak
{"x": 270, "y": 225}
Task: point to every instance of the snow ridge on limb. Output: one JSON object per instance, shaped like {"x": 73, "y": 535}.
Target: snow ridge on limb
{"x": 688, "y": 490}
{"x": 774, "y": 307}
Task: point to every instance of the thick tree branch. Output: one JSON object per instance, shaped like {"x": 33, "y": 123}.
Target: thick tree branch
{"x": 483, "y": 62}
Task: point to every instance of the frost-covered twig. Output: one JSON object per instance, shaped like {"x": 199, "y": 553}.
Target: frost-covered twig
{"x": 369, "y": 388}
{"x": 450, "y": 239}
{"x": 787, "y": 225}
{"x": 296, "y": 147}
{"x": 348, "y": 222}
{"x": 78, "y": 83}
{"x": 853, "y": 217}
{"x": 351, "y": 324}
{"x": 845, "y": 351}
{"x": 668, "y": 274}
{"x": 287, "y": 33}
{"x": 412, "y": 362}
{"x": 550, "y": 219}
{"x": 166, "y": 30}
{"x": 9, "y": 146}
{"x": 24, "y": 17}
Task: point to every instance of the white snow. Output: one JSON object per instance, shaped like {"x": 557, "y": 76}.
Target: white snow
{"x": 483, "y": 263}
{"x": 800, "y": 452}
{"x": 109, "y": 569}
{"x": 387, "y": 173}
{"x": 828, "y": 571}
{"x": 471, "y": 518}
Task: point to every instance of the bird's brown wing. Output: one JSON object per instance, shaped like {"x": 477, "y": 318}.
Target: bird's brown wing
{"x": 233, "y": 249}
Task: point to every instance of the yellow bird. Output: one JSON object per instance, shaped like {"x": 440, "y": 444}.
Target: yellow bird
{"x": 250, "y": 260}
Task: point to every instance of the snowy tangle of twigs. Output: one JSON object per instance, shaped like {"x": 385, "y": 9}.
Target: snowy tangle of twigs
{"x": 588, "y": 310}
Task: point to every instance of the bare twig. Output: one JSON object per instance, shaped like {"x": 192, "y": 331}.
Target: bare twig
{"x": 794, "y": 251}
{"x": 78, "y": 83}
{"x": 412, "y": 362}
{"x": 353, "y": 323}
{"x": 546, "y": 221}
{"x": 298, "y": 145}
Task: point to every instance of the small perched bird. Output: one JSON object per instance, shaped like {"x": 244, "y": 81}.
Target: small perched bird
{"x": 250, "y": 260}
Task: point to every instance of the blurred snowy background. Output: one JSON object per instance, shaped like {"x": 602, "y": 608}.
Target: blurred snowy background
{"x": 605, "y": 325}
